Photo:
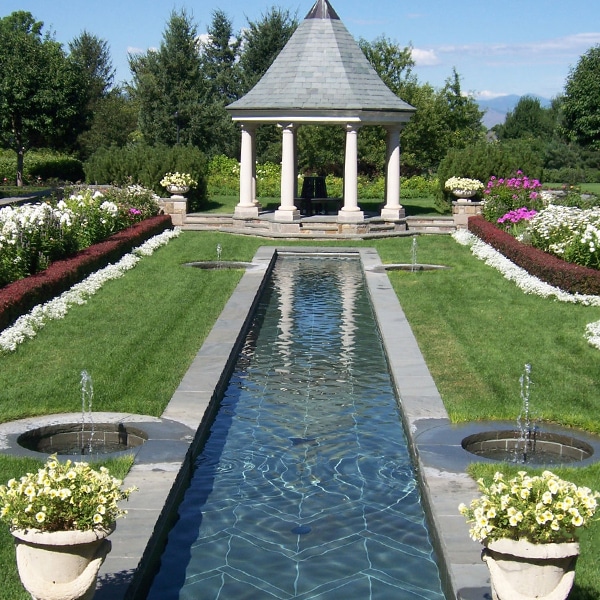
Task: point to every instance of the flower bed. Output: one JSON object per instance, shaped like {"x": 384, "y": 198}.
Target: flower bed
{"x": 566, "y": 276}
{"x": 19, "y": 297}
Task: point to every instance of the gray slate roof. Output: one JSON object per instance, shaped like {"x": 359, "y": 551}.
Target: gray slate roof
{"x": 321, "y": 68}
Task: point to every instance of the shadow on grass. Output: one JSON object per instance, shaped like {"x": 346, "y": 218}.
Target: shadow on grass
{"x": 583, "y": 593}
{"x": 413, "y": 206}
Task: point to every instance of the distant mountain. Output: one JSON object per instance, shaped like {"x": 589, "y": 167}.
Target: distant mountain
{"x": 497, "y": 108}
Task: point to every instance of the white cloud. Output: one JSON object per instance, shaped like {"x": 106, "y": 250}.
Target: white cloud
{"x": 488, "y": 95}
{"x": 424, "y": 58}
{"x": 567, "y": 46}
{"x": 134, "y": 50}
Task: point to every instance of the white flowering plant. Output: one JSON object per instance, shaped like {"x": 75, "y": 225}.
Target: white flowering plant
{"x": 568, "y": 232}
{"x": 63, "y": 496}
{"x": 178, "y": 180}
{"x": 463, "y": 183}
{"x": 33, "y": 236}
{"x": 539, "y": 509}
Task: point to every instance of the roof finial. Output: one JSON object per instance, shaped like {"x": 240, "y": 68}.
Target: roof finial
{"x": 322, "y": 10}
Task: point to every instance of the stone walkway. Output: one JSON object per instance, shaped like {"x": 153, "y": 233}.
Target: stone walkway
{"x": 163, "y": 464}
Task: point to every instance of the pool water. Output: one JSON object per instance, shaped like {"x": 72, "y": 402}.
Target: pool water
{"x": 305, "y": 487}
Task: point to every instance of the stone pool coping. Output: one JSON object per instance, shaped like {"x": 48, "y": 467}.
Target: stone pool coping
{"x": 161, "y": 473}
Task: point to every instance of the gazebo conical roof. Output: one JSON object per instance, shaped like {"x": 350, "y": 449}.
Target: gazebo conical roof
{"x": 321, "y": 75}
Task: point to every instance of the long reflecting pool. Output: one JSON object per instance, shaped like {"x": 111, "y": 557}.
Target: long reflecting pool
{"x": 305, "y": 487}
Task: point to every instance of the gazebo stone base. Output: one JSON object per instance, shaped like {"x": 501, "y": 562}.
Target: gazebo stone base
{"x": 286, "y": 215}
{"x": 393, "y": 214}
{"x": 246, "y": 212}
{"x": 348, "y": 216}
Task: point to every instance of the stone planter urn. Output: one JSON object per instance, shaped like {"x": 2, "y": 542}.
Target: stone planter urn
{"x": 464, "y": 194}
{"x": 520, "y": 570}
{"x": 61, "y": 565}
{"x": 177, "y": 191}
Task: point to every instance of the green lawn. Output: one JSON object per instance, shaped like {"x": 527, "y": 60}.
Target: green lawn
{"x": 139, "y": 334}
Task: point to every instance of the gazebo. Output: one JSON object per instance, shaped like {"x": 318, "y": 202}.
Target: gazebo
{"x": 321, "y": 77}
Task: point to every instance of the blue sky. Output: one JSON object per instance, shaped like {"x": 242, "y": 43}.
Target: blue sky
{"x": 500, "y": 47}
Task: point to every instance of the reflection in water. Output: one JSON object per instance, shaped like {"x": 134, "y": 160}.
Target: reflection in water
{"x": 305, "y": 486}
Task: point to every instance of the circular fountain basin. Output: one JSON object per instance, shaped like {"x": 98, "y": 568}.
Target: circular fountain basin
{"x": 545, "y": 449}
{"x": 73, "y": 439}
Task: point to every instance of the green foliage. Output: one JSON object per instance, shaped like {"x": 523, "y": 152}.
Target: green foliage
{"x": 393, "y": 64}
{"x": 262, "y": 41}
{"x": 486, "y": 159}
{"x": 147, "y": 165}
{"x": 504, "y": 194}
{"x": 528, "y": 120}
{"x": 321, "y": 149}
{"x": 42, "y": 91}
{"x": 42, "y": 166}
{"x": 418, "y": 186}
{"x": 224, "y": 179}
{"x": 92, "y": 56}
{"x": 220, "y": 58}
{"x": 581, "y": 119}
{"x": 223, "y": 176}
{"x": 169, "y": 89}
{"x": 113, "y": 123}
{"x": 444, "y": 120}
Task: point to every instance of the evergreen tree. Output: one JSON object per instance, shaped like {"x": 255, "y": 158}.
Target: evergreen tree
{"x": 91, "y": 56}
{"x": 169, "y": 88}
{"x": 262, "y": 41}
{"x": 113, "y": 123}
{"x": 219, "y": 60}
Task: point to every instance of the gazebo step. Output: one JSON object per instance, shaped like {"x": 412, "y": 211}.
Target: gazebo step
{"x": 430, "y": 224}
{"x": 320, "y": 226}
{"x": 214, "y": 220}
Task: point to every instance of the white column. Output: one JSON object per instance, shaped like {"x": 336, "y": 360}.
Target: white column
{"x": 254, "y": 198}
{"x": 392, "y": 210}
{"x": 287, "y": 211}
{"x": 350, "y": 212}
{"x": 246, "y": 209}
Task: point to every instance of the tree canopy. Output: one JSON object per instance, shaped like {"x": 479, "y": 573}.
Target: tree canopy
{"x": 582, "y": 99}
{"x": 42, "y": 92}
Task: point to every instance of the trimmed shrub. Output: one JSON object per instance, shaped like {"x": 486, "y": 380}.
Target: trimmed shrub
{"x": 486, "y": 159}
{"x": 44, "y": 165}
{"x": 147, "y": 165}
{"x": 559, "y": 273}
{"x": 21, "y": 296}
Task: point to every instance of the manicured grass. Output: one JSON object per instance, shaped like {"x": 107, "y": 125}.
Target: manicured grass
{"x": 593, "y": 188}
{"x": 477, "y": 331}
{"x": 12, "y": 191}
{"x": 138, "y": 335}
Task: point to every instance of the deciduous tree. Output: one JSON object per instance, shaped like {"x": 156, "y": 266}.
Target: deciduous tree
{"x": 41, "y": 91}
{"x": 581, "y": 101}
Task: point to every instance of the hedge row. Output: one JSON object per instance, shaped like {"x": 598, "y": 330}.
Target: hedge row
{"x": 43, "y": 164}
{"x": 21, "y": 296}
{"x": 147, "y": 165}
{"x": 551, "y": 269}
